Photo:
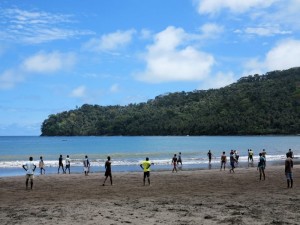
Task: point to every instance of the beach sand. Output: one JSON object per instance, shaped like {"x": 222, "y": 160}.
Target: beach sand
{"x": 186, "y": 197}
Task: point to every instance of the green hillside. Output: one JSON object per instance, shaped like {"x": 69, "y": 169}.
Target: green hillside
{"x": 259, "y": 104}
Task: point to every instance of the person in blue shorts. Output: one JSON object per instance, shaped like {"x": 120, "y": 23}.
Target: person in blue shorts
{"x": 261, "y": 166}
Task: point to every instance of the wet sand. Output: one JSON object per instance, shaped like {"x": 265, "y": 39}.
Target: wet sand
{"x": 186, "y": 197}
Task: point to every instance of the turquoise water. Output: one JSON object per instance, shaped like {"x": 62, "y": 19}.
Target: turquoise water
{"x": 127, "y": 152}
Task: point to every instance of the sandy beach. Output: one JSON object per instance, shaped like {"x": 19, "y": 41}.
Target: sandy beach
{"x": 186, "y": 197}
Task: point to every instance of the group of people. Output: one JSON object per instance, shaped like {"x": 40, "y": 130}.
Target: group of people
{"x": 146, "y": 164}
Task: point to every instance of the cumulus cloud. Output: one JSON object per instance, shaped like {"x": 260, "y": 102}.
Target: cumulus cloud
{"x": 219, "y": 80}
{"x": 284, "y": 55}
{"x": 109, "y": 42}
{"x": 79, "y": 92}
{"x": 49, "y": 62}
{"x": 170, "y": 58}
{"x": 38, "y": 63}
{"x": 236, "y": 6}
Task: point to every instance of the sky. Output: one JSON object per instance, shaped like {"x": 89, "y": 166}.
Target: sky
{"x": 58, "y": 55}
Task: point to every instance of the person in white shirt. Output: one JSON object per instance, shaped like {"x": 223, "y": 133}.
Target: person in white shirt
{"x": 68, "y": 161}
{"x": 29, "y": 167}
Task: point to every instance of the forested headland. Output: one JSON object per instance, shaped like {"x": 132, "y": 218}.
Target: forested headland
{"x": 254, "y": 105}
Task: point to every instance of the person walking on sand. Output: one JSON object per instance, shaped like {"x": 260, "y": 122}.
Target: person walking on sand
{"x": 108, "y": 171}
{"x": 261, "y": 166}
{"x": 68, "y": 164}
{"x": 86, "y": 166}
{"x": 209, "y": 154}
{"x": 29, "y": 167}
{"x": 42, "y": 165}
{"x": 60, "y": 164}
{"x": 232, "y": 161}
{"x": 289, "y": 170}
{"x": 174, "y": 162}
{"x": 145, "y": 165}
{"x": 223, "y": 161}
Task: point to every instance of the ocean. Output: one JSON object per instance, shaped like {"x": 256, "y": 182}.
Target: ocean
{"x": 128, "y": 152}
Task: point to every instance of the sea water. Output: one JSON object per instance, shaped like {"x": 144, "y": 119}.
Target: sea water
{"x": 128, "y": 152}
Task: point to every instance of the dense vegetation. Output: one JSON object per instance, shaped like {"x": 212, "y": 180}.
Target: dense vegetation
{"x": 266, "y": 104}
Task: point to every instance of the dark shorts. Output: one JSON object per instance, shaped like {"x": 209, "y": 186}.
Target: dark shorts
{"x": 289, "y": 176}
{"x": 67, "y": 166}
{"x": 232, "y": 164}
{"x": 107, "y": 173}
{"x": 146, "y": 174}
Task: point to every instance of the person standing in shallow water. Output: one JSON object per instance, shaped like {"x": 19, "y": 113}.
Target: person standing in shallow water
{"x": 179, "y": 160}
{"x": 174, "y": 162}
{"x": 42, "y": 165}
{"x": 108, "y": 171}
{"x": 289, "y": 170}
{"x": 29, "y": 167}
{"x": 68, "y": 164}
{"x": 60, "y": 164}
{"x": 209, "y": 154}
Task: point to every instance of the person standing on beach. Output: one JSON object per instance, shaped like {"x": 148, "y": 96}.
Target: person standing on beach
{"x": 108, "y": 171}
{"x": 179, "y": 159}
{"x": 42, "y": 165}
{"x": 174, "y": 162}
{"x": 209, "y": 154}
{"x": 86, "y": 166}
{"x": 60, "y": 164}
{"x": 232, "y": 161}
{"x": 68, "y": 163}
{"x": 289, "y": 170}
{"x": 29, "y": 167}
{"x": 237, "y": 156}
{"x": 223, "y": 161}
{"x": 261, "y": 166}
{"x": 145, "y": 165}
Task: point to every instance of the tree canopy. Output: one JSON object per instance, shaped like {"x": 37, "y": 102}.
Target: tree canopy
{"x": 256, "y": 104}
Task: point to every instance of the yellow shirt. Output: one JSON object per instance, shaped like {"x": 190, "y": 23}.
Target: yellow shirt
{"x": 146, "y": 165}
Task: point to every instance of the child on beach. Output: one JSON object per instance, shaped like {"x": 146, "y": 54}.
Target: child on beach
{"x": 288, "y": 170}
{"x": 145, "y": 165}
{"x": 261, "y": 166}
{"x": 29, "y": 167}
{"x": 223, "y": 161}
{"x": 68, "y": 163}
{"x": 108, "y": 171}
{"x": 174, "y": 162}
{"x": 42, "y": 165}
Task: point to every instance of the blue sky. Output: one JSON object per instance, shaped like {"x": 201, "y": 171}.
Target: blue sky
{"x": 56, "y": 55}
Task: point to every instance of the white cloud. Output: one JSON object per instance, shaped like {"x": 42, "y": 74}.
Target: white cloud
{"x": 217, "y": 81}
{"x": 236, "y": 6}
{"x": 49, "y": 62}
{"x": 34, "y": 27}
{"x": 284, "y": 55}
{"x": 265, "y": 31}
{"x": 211, "y": 30}
{"x": 79, "y": 92}
{"x": 169, "y": 58}
{"x": 9, "y": 78}
{"x": 109, "y": 42}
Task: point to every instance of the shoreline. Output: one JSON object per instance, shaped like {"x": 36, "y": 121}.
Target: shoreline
{"x": 187, "y": 197}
